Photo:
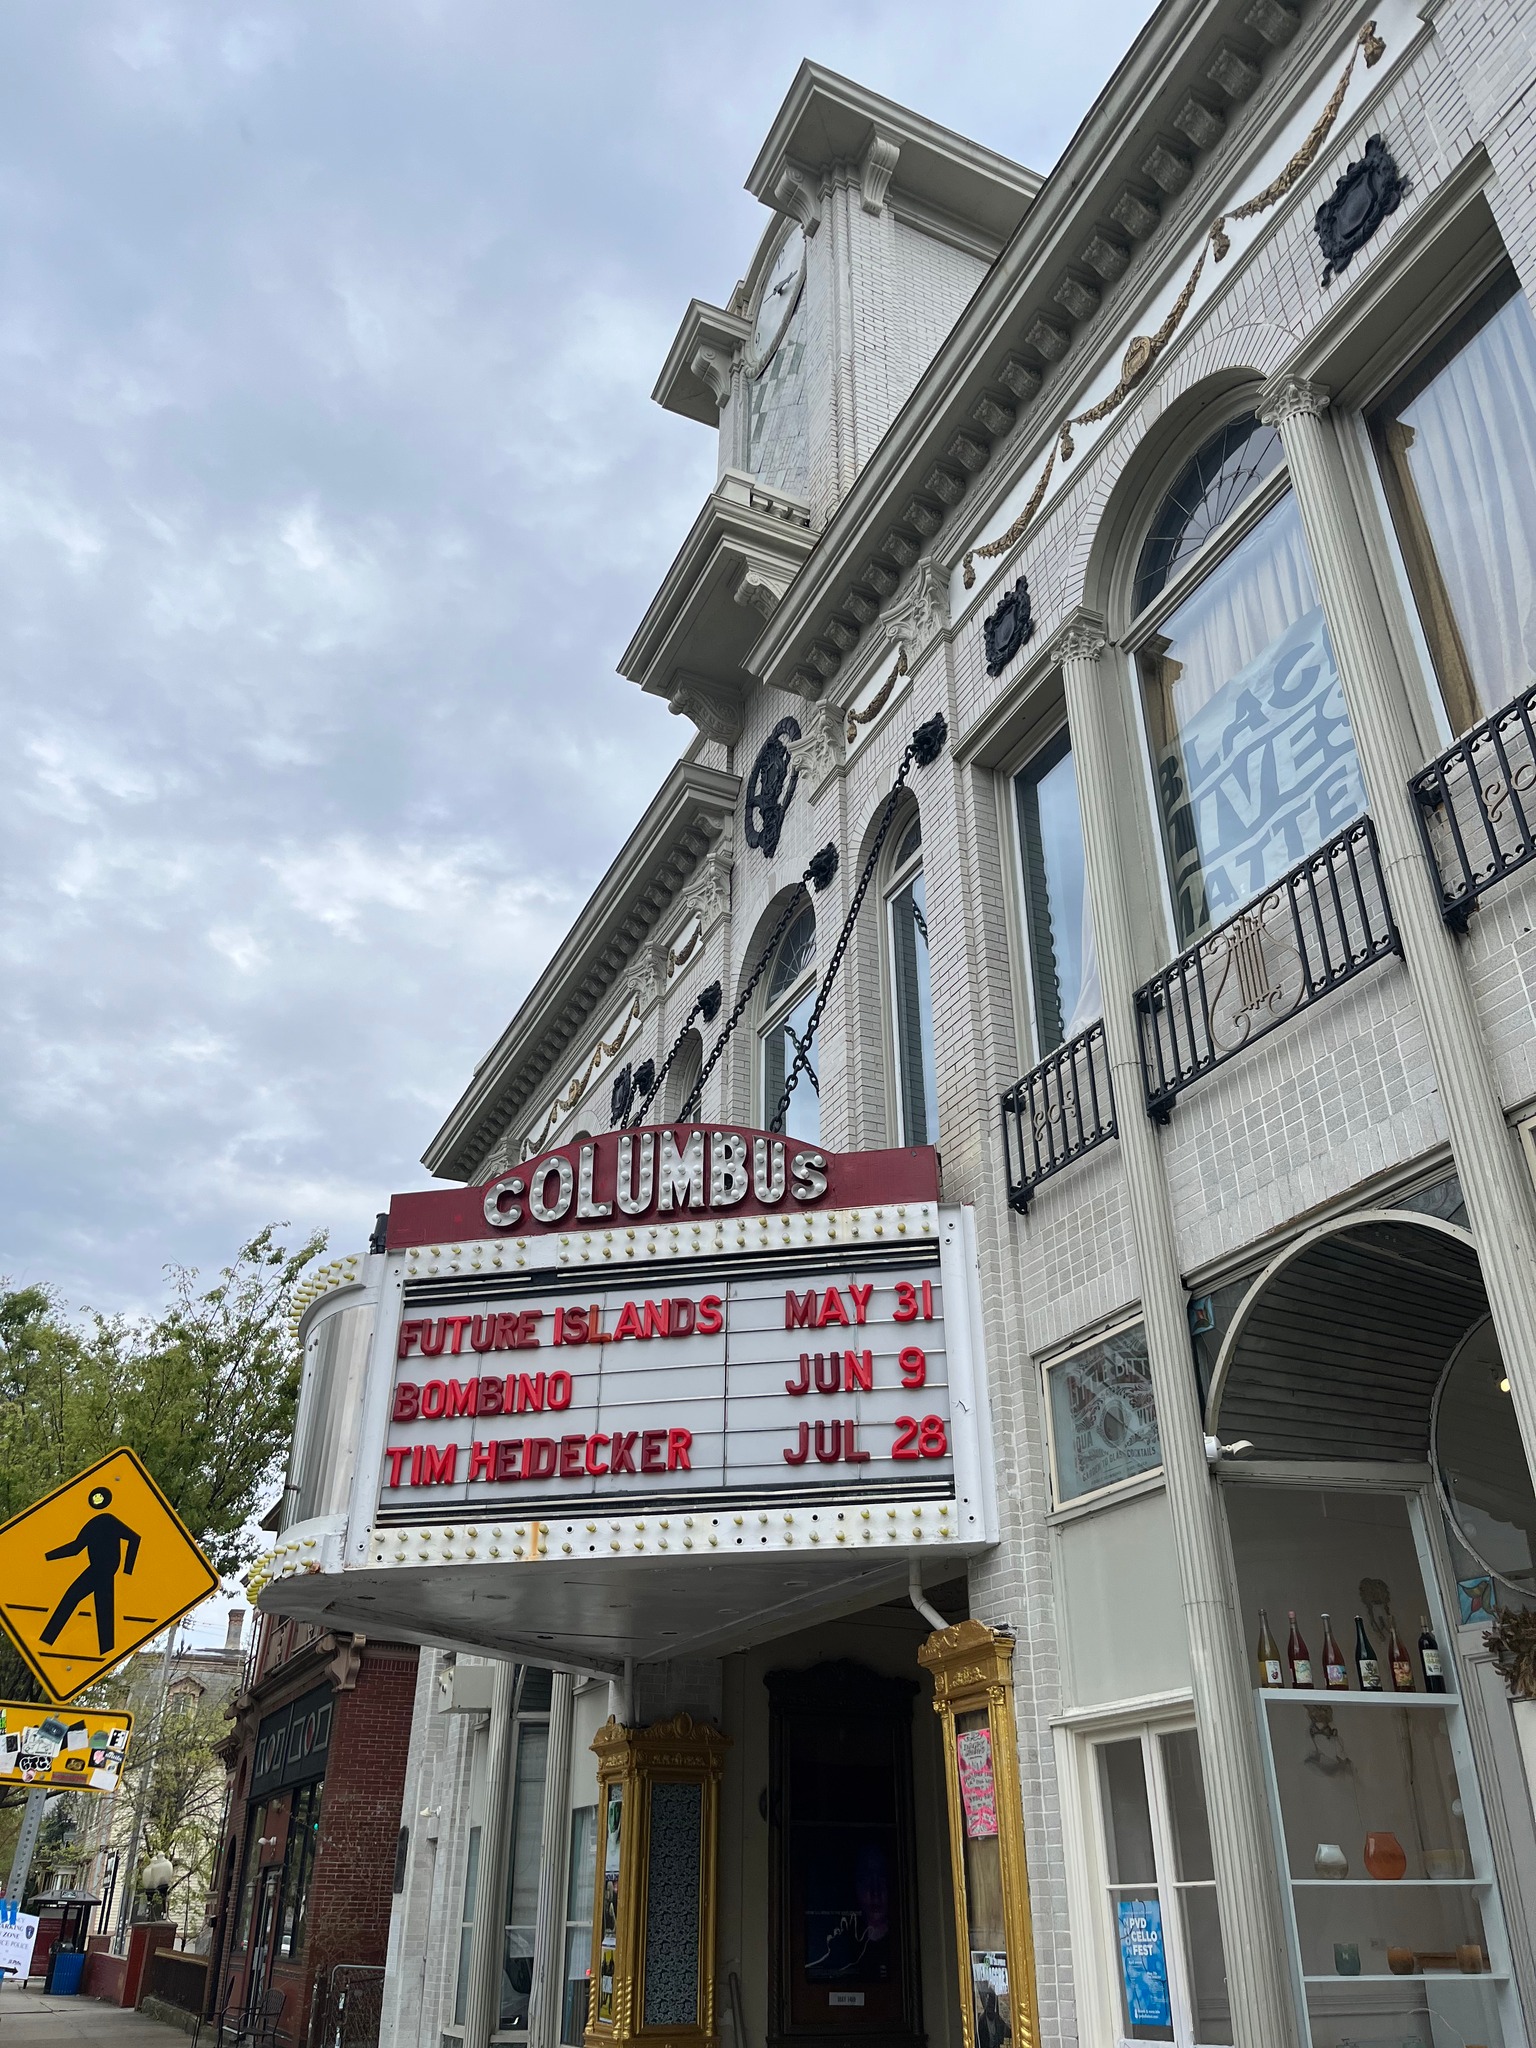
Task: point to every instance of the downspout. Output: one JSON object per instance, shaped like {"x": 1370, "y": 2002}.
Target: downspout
{"x": 929, "y": 1613}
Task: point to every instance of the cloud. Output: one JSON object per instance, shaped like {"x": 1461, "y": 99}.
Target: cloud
{"x": 330, "y": 492}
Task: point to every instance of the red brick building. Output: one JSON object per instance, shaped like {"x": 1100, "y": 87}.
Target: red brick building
{"x": 317, "y": 1761}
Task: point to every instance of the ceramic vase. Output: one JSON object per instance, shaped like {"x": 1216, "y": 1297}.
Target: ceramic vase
{"x": 1329, "y": 1860}
{"x": 1384, "y": 1855}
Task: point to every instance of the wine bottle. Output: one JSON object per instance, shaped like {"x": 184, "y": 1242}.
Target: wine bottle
{"x": 1298, "y": 1657}
{"x": 1335, "y": 1670}
{"x": 1429, "y": 1657}
{"x": 1397, "y": 1660}
{"x": 1268, "y": 1654}
{"x": 1366, "y": 1666}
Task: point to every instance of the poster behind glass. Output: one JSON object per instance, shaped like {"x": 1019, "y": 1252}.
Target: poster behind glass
{"x": 608, "y": 1927}
{"x": 986, "y": 1936}
{"x": 1103, "y": 1416}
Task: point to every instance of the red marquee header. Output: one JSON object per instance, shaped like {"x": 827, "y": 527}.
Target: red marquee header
{"x": 662, "y": 1171}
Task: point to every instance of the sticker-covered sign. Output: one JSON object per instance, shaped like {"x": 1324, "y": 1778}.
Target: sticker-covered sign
{"x": 611, "y": 1389}
{"x": 67, "y": 1751}
{"x": 978, "y": 1791}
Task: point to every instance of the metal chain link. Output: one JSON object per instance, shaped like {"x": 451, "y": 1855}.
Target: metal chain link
{"x": 923, "y": 747}
{"x": 707, "y": 1006}
{"x": 821, "y": 869}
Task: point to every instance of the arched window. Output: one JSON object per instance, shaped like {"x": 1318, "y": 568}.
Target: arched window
{"x": 906, "y": 917}
{"x": 1252, "y": 754}
{"x": 684, "y": 1075}
{"x": 789, "y": 994}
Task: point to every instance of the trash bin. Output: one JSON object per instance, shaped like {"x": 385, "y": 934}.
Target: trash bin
{"x": 65, "y": 1972}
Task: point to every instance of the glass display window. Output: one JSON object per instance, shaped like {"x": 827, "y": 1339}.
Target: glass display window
{"x": 1393, "y": 1912}
{"x": 580, "y": 1905}
{"x": 1102, "y": 1415}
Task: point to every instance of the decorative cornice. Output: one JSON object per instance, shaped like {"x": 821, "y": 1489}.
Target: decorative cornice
{"x": 695, "y": 378}
{"x": 1289, "y": 397}
{"x": 819, "y": 752}
{"x": 794, "y": 194}
{"x": 715, "y": 708}
{"x": 760, "y": 588}
{"x": 712, "y": 366}
{"x": 1081, "y": 636}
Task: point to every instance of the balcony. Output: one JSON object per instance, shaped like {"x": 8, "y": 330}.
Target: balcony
{"x": 1310, "y": 932}
{"x": 1057, "y": 1113}
{"x": 1476, "y": 828}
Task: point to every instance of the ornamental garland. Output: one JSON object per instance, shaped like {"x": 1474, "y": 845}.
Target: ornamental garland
{"x": 1144, "y": 349}
{"x": 878, "y": 702}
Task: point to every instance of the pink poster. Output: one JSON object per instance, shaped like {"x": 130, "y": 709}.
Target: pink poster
{"x": 978, "y": 1793}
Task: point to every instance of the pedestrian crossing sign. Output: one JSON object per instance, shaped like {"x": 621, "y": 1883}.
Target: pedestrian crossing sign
{"x": 92, "y": 1571}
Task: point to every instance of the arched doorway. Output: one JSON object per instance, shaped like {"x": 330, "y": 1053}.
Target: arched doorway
{"x": 1368, "y": 1479}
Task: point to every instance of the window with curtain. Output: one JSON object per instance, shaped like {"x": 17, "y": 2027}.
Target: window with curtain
{"x": 911, "y": 995}
{"x": 1058, "y": 922}
{"x": 788, "y": 997}
{"x": 1253, "y": 756}
{"x": 1457, "y": 446}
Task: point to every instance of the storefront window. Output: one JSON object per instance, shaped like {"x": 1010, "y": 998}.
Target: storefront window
{"x": 1103, "y": 1418}
{"x": 912, "y": 1003}
{"x": 523, "y": 1872}
{"x": 788, "y": 1000}
{"x": 467, "y": 1927}
{"x": 1160, "y": 1890}
{"x": 298, "y": 1868}
{"x": 580, "y": 1905}
{"x": 1388, "y": 1868}
{"x": 608, "y": 1943}
{"x": 256, "y": 1827}
{"x": 1457, "y": 442}
{"x": 1253, "y": 756}
{"x": 1484, "y": 1479}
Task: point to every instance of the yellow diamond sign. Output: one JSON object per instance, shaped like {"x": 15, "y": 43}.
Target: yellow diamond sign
{"x": 90, "y": 1572}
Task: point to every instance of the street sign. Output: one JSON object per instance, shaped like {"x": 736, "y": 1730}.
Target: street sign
{"x": 66, "y": 1752}
{"x": 93, "y": 1570}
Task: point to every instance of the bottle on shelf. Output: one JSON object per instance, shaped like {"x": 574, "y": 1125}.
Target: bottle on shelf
{"x": 1367, "y": 1667}
{"x": 1298, "y": 1657}
{"x": 1335, "y": 1670}
{"x": 1398, "y": 1661}
{"x": 1429, "y": 1657}
{"x": 1267, "y": 1654}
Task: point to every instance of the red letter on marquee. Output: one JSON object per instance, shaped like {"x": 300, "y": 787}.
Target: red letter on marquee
{"x": 679, "y": 1444}
{"x": 571, "y": 1449}
{"x": 397, "y": 1455}
{"x": 507, "y": 1455}
{"x": 593, "y": 1466}
{"x": 653, "y": 1453}
{"x": 438, "y": 1466}
{"x": 482, "y": 1461}
{"x": 409, "y": 1332}
{"x": 800, "y": 1310}
{"x": 407, "y": 1401}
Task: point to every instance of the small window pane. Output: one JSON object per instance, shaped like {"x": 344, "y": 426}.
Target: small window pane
{"x": 1127, "y": 1817}
{"x": 803, "y": 1117}
{"x": 523, "y": 1874}
{"x": 1186, "y": 1807}
{"x": 1459, "y": 453}
{"x": 1254, "y": 755}
{"x": 1063, "y": 961}
{"x": 580, "y": 1904}
{"x": 1103, "y": 1415}
{"x": 1223, "y": 474}
{"x": 467, "y": 1927}
{"x": 796, "y": 955}
{"x": 915, "y": 1077}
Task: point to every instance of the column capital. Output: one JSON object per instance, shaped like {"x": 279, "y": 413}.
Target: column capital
{"x": 1081, "y": 636}
{"x": 1289, "y": 397}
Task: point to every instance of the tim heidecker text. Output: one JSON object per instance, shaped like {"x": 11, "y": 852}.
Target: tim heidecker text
{"x": 601, "y": 1455}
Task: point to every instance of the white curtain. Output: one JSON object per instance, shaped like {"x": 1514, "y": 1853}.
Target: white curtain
{"x": 1262, "y": 588}
{"x": 1472, "y": 458}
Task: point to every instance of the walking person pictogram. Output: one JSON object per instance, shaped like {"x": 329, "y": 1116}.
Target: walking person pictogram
{"x": 102, "y": 1540}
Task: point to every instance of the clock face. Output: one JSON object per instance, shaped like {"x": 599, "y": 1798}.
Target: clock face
{"x": 777, "y": 299}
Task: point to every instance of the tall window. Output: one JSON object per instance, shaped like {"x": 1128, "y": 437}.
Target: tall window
{"x": 580, "y": 1904}
{"x": 906, "y": 914}
{"x": 1253, "y": 755}
{"x": 788, "y": 998}
{"x": 1063, "y": 961}
{"x": 684, "y": 1077}
{"x": 1159, "y": 1890}
{"x": 467, "y": 1927}
{"x": 530, "y": 1758}
{"x": 298, "y": 1868}
{"x": 1457, "y": 444}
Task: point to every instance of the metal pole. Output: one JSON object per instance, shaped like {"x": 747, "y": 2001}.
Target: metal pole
{"x": 26, "y": 1842}
{"x": 141, "y": 1803}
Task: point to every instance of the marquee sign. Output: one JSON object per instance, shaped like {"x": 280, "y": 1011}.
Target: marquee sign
{"x": 669, "y": 1174}
{"x": 639, "y": 1387}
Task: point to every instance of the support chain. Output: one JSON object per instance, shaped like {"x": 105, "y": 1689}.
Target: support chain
{"x": 925, "y": 746}
{"x": 818, "y": 875}
{"x": 708, "y": 1007}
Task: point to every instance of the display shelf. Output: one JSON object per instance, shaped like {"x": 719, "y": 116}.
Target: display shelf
{"x": 1390, "y": 1884}
{"x": 1313, "y": 1698}
{"x": 1416, "y": 1977}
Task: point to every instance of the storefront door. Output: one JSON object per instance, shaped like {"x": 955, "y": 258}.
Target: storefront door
{"x": 843, "y": 1934}
{"x": 263, "y": 1939}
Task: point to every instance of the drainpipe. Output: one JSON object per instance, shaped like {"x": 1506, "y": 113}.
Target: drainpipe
{"x": 929, "y": 1613}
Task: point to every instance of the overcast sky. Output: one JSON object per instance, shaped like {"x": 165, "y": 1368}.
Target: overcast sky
{"x": 330, "y": 492}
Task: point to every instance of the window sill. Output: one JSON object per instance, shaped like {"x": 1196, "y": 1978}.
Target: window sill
{"x": 1108, "y": 1497}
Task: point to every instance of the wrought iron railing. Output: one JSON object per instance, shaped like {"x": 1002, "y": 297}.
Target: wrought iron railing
{"x": 1057, "y": 1112}
{"x": 1310, "y": 932}
{"x": 1476, "y": 827}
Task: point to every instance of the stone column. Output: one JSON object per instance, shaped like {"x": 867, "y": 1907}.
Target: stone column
{"x": 554, "y": 1859}
{"x": 482, "y": 2006}
{"x": 1493, "y": 1179}
{"x": 1242, "y": 1844}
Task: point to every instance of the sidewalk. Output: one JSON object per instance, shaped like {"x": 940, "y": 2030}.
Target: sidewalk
{"x": 33, "y": 2019}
